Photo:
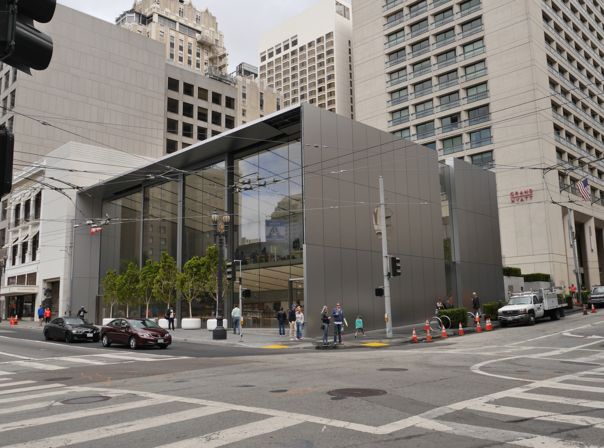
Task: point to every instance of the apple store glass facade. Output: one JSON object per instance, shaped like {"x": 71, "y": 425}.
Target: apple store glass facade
{"x": 260, "y": 189}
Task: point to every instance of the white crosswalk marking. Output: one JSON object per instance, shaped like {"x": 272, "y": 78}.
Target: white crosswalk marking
{"x": 523, "y": 413}
{"x": 37, "y": 365}
{"x": 28, "y": 407}
{"x": 37, "y": 395}
{"x": 569, "y": 386}
{"x": 80, "y": 360}
{"x": 28, "y": 389}
{"x": 16, "y": 383}
{"x": 236, "y": 434}
{"x": 561, "y": 400}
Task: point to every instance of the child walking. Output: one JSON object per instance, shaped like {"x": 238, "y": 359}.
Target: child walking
{"x": 358, "y": 326}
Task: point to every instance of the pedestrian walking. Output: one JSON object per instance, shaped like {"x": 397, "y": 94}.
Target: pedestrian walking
{"x": 291, "y": 318}
{"x": 359, "y": 326}
{"x": 47, "y": 314}
{"x": 236, "y": 317}
{"x": 281, "y": 319}
{"x": 325, "y": 317}
{"x": 170, "y": 315}
{"x": 299, "y": 322}
{"x": 338, "y": 321}
{"x": 40, "y": 315}
{"x": 476, "y": 304}
{"x": 82, "y": 312}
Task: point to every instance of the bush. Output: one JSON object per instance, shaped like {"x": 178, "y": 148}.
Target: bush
{"x": 569, "y": 301}
{"x": 490, "y": 309}
{"x": 537, "y": 277}
{"x": 456, "y": 315}
{"x": 585, "y": 296}
{"x": 512, "y": 272}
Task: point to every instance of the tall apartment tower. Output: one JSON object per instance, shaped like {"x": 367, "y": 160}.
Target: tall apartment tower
{"x": 191, "y": 36}
{"x": 309, "y": 58}
{"x": 515, "y": 86}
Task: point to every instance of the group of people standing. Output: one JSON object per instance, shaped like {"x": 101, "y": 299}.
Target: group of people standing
{"x": 294, "y": 317}
{"x": 44, "y": 314}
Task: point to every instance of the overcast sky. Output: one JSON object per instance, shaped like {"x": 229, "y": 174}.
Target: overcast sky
{"x": 241, "y": 21}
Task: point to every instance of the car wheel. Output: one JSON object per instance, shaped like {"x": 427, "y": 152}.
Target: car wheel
{"x": 531, "y": 319}
{"x": 95, "y": 339}
{"x": 554, "y": 315}
{"x": 68, "y": 337}
{"x": 561, "y": 311}
{"x": 46, "y": 335}
{"x": 163, "y": 346}
{"x": 105, "y": 341}
{"x": 132, "y": 343}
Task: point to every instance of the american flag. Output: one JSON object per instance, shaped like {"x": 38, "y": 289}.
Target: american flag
{"x": 584, "y": 190}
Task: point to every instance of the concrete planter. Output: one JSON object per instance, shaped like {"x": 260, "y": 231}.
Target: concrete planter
{"x": 191, "y": 324}
{"x": 163, "y": 323}
{"x": 211, "y": 324}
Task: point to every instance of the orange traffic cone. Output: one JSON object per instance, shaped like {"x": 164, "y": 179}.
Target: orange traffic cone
{"x": 460, "y": 331}
{"x": 478, "y": 327}
{"x": 443, "y": 333}
{"x": 427, "y": 326}
{"x": 489, "y": 324}
{"x": 593, "y": 309}
{"x": 428, "y": 336}
{"x": 11, "y": 321}
{"x": 414, "y": 337}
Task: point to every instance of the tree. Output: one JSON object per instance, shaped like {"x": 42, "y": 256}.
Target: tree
{"x": 190, "y": 280}
{"x": 146, "y": 280}
{"x": 209, "y": 277}
{"x": 164, "y": 285}
{"x": 109, "y": 284}
{"x": 127, "y": 286}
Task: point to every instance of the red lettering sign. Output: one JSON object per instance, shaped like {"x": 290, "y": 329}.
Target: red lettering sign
{"x": 521, "y": 195}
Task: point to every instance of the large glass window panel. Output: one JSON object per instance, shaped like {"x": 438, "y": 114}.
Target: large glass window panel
{"x": 160, "y": 216}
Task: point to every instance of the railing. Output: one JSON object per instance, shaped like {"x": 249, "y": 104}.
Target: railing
{"x": 396, "y": 81}
{"x": 394, "y": 42}
{"x": 399, "y": 120}
{"x": 399, "y": 100}
{"x": 398, "y": 60}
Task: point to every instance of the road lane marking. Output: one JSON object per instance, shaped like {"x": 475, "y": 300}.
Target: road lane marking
{"x": 568, "y": 386}
{"x": 33, "y": 396}
{"x": 17, "y": 383}
{"x": 80, "y": 360}
{"x": 570, "y": 335}
{"x": 553, "y": 334}
{"x": 561, "y": 400}
{"x": 104, "y": 432}
{"x": 5, "y": 373}
{"x": 12, "y": 355}
{"x": 235, "y": 434}
{"x": 29, "y": 407}
{"x": 38, "y": 421}
{"x": 28, "y": 389}
{"x": 36, "y": 365}
{"x": 5, "y": 379}
{"x": 589, "y": 380}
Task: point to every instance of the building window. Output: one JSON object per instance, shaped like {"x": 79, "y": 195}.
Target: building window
{"x": 35, "y": 245}
{"x": 4, "y": 211}
{"x": 202, "y": 114}
{"x": 422, "y": 88}
{"x": 202, "y": 133}
{"x": 402, "y": 133}
{"x": 471, "y": 25}
{"x": 443, "y": 16}
{"x": 187, "y": 89}
{"x": 202, "y": 93}
{"x": 480, "y": 138}
{"x": 190, "y": 56}
{"x": 482, "y": 159}
{"x": 450, "y": 123}
{"x": 419, "y": 27}
{"x": 181, "y": 44}
{"x": 229, "y": 122}
{"x": 478, "y": 115}
{"x": 172, "y": 126}
{"x": 473, "y": 48}
{"x": 187, "y": 110}
{"x": 2, "y": 237}
{"x": 447, "y": 58}
{"x": 173, "y": 85}
{"x": 17, "y": 215}
{"x": 217, "y": 98}
{"x": 430, "y": 145}
{"x": 418, "y": 8}
{"x": 24, "y": 252}
{"x": 418, "y": 47}
{"x": 171, "y": 48}
{"x": 15, "y": 250}
{"x": 453, "y": 144}
{"x": 216, "y": 118}
{"x": 449, "y": 101}
{"x": 445, "y": 36}
{"x": 171, "y": 146}
{"x": 399, "y": 116}
{"x": 215, "y": 133}
{"x": 37, "y": 205}
{"x": 475, "y": 70}
{"x": 469, "y": 6}
{"x": 477, "y": 92}
{"x": 27, "y": 210}
{"x": 422, "y": 67}
{"x": 187, "y": 130}
{"x": 173, "y": 105}
{"x": 261, "y": 101}
{"x": 423, "y": 109}
{"x": 447, "y": 79}
{"x": 229, "y": 102}
{"x": 12, "y": 100}
{"x": 425, "y": 130}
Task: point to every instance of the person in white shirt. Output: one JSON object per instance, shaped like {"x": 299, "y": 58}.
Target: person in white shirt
{"x": 236, "y": 317}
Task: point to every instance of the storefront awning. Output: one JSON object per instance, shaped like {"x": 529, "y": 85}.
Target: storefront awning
{"x": 18, "y": 290}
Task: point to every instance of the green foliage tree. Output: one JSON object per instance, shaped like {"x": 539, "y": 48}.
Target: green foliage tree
{"x": 190, "y": 280}
{"x": 146, "y": 280}
{"x": 209, "y": 274}
{"x": 127, "y": 287}
{"x": 109, "y": 284}
{"x": 164, "y": 285}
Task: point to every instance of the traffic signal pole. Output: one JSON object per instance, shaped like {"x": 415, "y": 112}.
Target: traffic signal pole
{"x": 385, "y": 262}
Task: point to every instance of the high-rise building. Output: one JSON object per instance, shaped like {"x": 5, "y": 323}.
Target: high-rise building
{"x": 517, "y": 87}
{"x": 309, "y": 58}
{"x": 190, "y": 36}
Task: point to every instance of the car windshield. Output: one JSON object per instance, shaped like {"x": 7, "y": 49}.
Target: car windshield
{"x": 74, "y": 321}
{"x": 598, "y": 290}
{"x": 520, "y": 301}
{"x": 147, "y": 323}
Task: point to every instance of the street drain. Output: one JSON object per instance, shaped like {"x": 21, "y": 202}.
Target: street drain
{"x": 355, "y": 393}
{"x": 392, "y": 369}
{"x": 86, "y": 400}
{"x": 62, "y": 378}
{"x": 278, "y": 391}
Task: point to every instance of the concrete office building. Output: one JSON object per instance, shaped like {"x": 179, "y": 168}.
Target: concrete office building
{"x": 41, "y": 216}
{"x": 309, "y": 58}
{"x": 301, "y": 186}
{"x": 505, "y": 85}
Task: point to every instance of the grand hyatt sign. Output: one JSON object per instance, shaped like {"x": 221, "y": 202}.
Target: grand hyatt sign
{"x": 521, "y": 195}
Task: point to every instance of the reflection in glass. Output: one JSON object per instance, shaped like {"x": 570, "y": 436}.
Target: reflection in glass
{"x": 160, "y": 214}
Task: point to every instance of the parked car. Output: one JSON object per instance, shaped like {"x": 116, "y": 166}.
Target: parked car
{"x": 135, "y": 333}
{"x": 71, "y": 329}
{"x": 597, "y": 296}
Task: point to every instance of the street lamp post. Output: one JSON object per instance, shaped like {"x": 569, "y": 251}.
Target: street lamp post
{"x": 220, "y": 223}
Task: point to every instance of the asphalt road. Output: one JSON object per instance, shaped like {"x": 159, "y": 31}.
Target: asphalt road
{"x": 540, "y": 386}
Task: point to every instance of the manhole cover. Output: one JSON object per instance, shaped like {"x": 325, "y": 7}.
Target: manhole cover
{"x": 279, "y": 391}
{"x": 392, "y": 369}
{"x": 356, "y": 393}
{"x": 61, "y": 378}
{"x": 86, "y": 400}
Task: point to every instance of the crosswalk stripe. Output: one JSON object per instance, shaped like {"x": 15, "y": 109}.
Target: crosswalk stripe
{"x": 235, "y": 434}
{"x": 28, "y": 407}
{"x": 568, "y": 386}
{"x": 12, "y": 355}
{"x": 579, "y": 420}
{"x": 5, "y": 373}
{"x": 561, "y": 400}
{"x": 80, "y": 360}
{"x": 588, "y": 379}
{"x": 5, "y": 379}
{"x": 35, "y": 396}
{"x": 37, "y": 365}
{"x": 104, "y": 432}
{"x": 28, "y": 389}
{"x": 127, "y": 357}
{"x": 16, "y": 383}
{"x": 80, "y": 414}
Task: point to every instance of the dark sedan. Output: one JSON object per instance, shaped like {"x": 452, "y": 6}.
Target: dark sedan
{"x": 135, "y": 333}
{"x": 71, "y": 329}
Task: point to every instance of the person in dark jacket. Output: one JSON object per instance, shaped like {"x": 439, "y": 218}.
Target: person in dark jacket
{"x": 325, "y": 324}
{"x": 338, "y": 321}
{"x": 281, "y": 318}
{"x": 475, "y": 304}
{"x": 82, "y": 312}
{"x": 291, "y": 318}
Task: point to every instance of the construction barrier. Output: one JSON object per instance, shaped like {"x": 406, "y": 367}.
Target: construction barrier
{"x": 460, "y": 332}
{"x": 489, "y": 325}
{"x": 593, "y": 309}
{"x": 443, "y": 333}
{"x": 414, "y": 337}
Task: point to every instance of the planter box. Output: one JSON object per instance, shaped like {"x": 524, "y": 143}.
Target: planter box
{"x": 191, "y": 324}
{"x": 163, "y": 323}
{"x": 211, "y": 324}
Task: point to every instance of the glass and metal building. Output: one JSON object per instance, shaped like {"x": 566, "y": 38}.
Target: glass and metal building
{"x": 300, "y": 187}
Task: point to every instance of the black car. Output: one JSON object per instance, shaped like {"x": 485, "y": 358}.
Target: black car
{"x": 70, "y": 329}
{"x": 597, "y": 296}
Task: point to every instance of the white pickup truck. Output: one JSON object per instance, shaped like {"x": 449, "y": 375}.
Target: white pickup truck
{"x": 528, "y": 306}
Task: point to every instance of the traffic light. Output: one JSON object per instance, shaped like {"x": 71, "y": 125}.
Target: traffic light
{"x": 7, "y": 145}
{"x": 229, "y": 270}
{"x": 395, "y": 266}
{"x": 245, "y": 293}
{"x": 22, "y": 45}
{"x": 379, "y": 292}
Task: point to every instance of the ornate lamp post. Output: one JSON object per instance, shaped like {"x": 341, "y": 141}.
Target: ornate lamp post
{"x": 220, "y": 223}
